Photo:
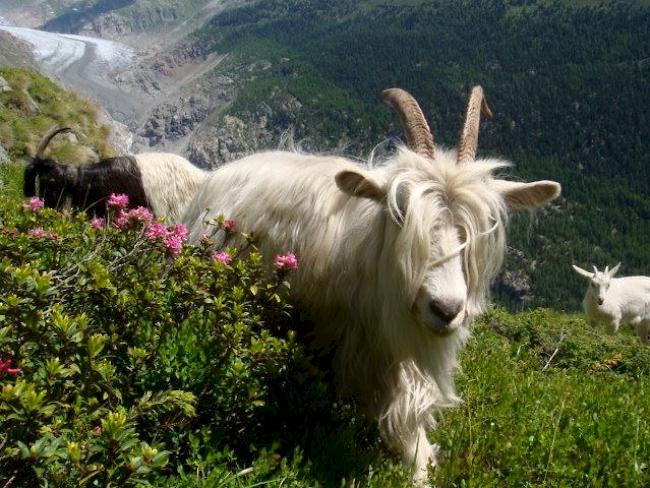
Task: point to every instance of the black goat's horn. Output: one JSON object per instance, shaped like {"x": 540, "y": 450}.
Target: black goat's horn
{"x": 47, "y": 138}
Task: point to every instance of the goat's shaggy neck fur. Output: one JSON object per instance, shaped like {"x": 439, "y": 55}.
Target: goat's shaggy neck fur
{"x": 170, "y": 182}
{"x": 359, "y": 270}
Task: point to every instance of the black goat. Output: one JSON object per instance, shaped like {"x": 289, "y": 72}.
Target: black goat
{"x": 161, "y": 181}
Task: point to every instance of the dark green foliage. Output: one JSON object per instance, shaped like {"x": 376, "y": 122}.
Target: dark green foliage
{"x": 121, "y": 348}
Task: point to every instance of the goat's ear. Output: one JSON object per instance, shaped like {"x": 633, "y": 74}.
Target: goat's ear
{"x": 582, "y": 272}
{"x": 614, "y": 270}
{"x": 526, "y": 196}
{"x": 358, "y": 185}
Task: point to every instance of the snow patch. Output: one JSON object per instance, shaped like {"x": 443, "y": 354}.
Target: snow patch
{"x": 57, "y": 52}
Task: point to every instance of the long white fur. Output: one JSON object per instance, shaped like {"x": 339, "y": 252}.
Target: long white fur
{"x": 170, "y": 182}
{"x": 625, "y": 300}
{"x": 362, "y": 263}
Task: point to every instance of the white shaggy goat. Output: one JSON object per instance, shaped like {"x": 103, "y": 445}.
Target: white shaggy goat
{"x": 395, "y": 260}
{"x": 615, "y": 301}
{"x": 161, "y": 181}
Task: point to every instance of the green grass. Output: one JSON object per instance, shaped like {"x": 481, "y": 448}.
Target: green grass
{"x": 34, "y": 105}
{"x": 577, "y": 419}
{"x": 549, "y": 401}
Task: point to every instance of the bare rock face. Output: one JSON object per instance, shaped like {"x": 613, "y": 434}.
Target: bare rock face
{"x": 4, "y": 157}
{"x": 232, "y": 139}
{"x": 4, "y": 86}
{"x": 516, "y": 284}
{"x": 234, "y": 136}
{"x": 171, "y": 121}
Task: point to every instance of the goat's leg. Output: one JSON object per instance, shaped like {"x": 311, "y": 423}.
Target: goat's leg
{"x": 419, "y": 456}
{"x": 642, "y": 331}
{"x": 405, "y": 435}
{"x": 613, "y": 326}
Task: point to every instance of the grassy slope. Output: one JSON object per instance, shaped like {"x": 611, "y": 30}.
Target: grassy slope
{"x": 580, "y": 421}
{"x": 35, "y": 105}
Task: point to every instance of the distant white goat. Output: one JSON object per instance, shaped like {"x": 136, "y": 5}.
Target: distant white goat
{"x": 615, "y": 301}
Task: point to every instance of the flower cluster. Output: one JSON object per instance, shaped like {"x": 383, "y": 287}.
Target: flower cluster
{"x": 171, "y": 237}
{"x": 125, "y": 218}
{"x": 97, "y": 223}
{"x": 39, "y": 233}
{"x": 222, "y": 256}
{"x": 5, "y": 367}
{"x": 287, "y": 261}
{"x": 229, "y": 225}
{"x": 129, "y": 218}
{"x": 156, "y": 230}
{"x": 118, "y": 201}
{"x": 34, "y": 204}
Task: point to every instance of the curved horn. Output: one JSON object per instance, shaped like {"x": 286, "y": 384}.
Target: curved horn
{"x": 416, "y": 129}
{"x": 595, "y": 269}
{"x": 469, "y": 137}
{"x": 48, "y": 137}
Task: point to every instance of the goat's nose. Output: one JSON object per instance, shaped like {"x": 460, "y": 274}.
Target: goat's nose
{"x": 601, "y": 301}
{"x": 446, "y": 310}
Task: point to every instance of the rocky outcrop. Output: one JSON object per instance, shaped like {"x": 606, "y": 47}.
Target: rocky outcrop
{"x": 171, "y": 121}
{"x": 235, "y": 136}
{"x": 4, "y": 157}
{"x": 109, "y": 26}
{"x": 231, "y": 139}
{"x": 4, "y": 86}
{"x": 14, "y": 52}
{"x": 516, "y": 285}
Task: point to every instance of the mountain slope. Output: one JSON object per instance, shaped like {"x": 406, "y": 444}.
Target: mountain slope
{"x": 564, "y": 80}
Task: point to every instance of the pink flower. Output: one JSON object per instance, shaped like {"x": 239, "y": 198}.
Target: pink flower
{"x": 229, "y": 225}
{"x": 141, "y": 213}
{"x": 287, "y": 261}
{"x": 174, "y": 245}
{"x": 223, "y": 257}
{"x": 36, "y": 232}
{"x": 5, "y": 367}
{"x": 97, "y": 223}
{"x": 180, "y": 231}
{"x": 97, "y": 430}
{"x": 33, "y": 203}
{"x": 156, "y": 230}
{"x": 129, "y": 218}
{"x": 122, "y": 220}
{"x": 118, "y": 201}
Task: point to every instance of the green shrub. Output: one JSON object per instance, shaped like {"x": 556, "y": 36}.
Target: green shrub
{"x": 127, "y": 354}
